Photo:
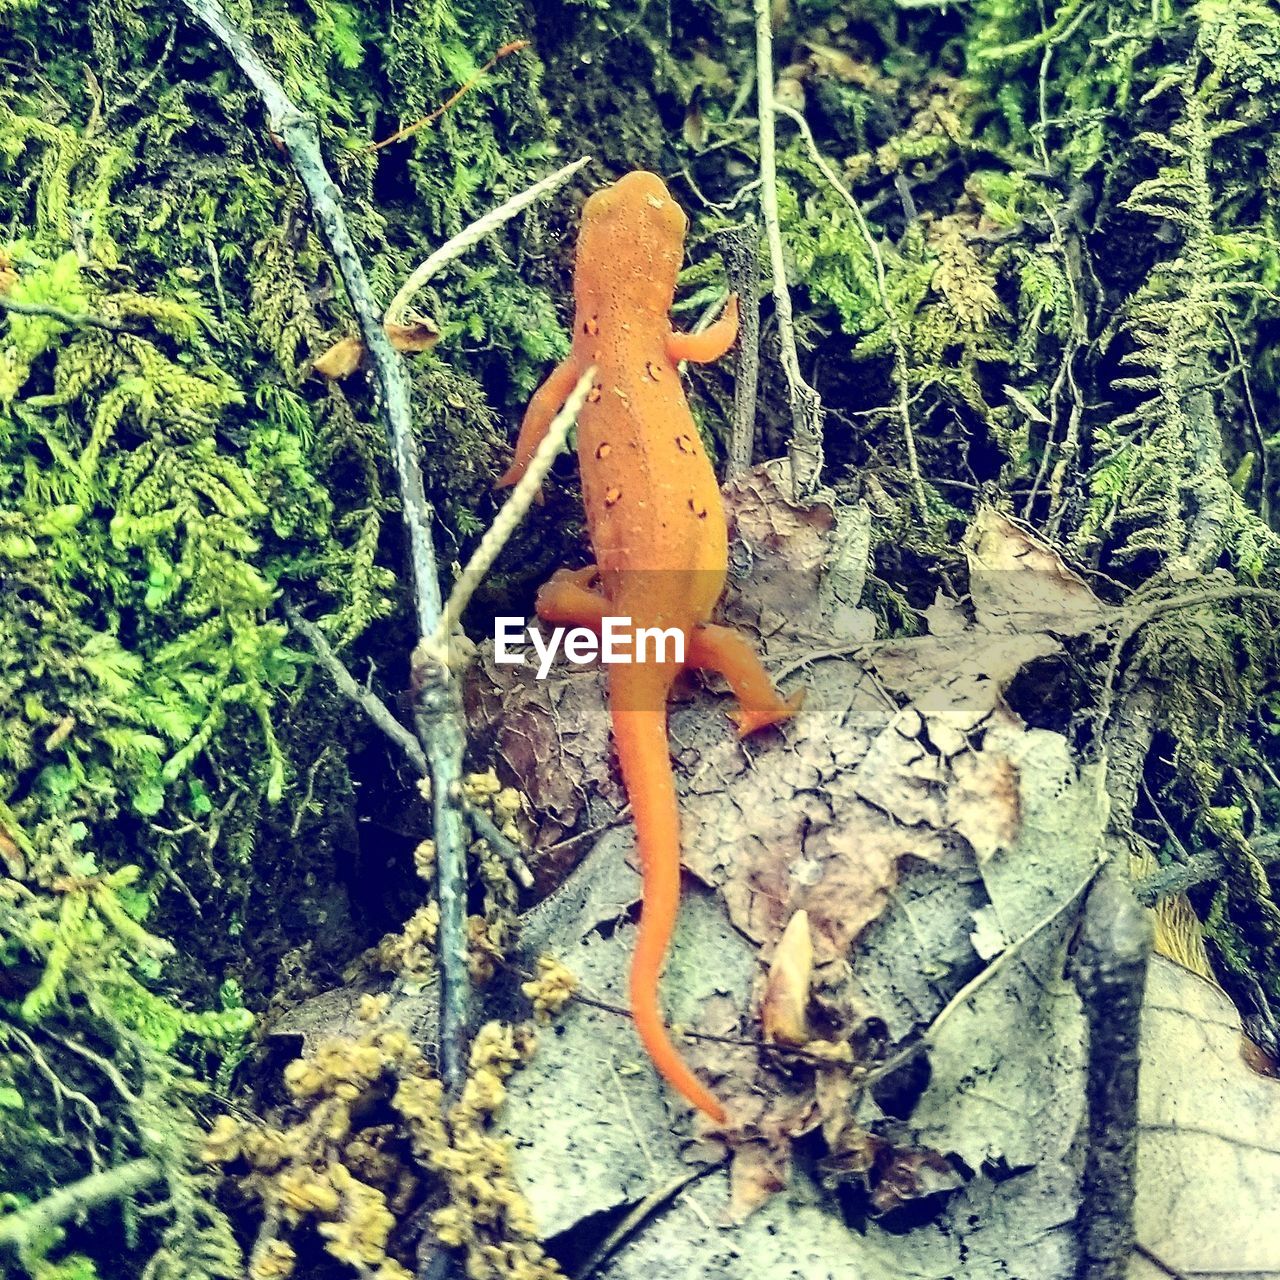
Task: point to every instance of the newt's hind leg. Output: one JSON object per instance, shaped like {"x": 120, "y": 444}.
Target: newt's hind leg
{"x": 566, "y": 599}
{"x": 722, "y": 649}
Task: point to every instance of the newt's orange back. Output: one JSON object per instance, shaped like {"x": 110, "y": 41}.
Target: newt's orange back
{"x": 657, "y": 527}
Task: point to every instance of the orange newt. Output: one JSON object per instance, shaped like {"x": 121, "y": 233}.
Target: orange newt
{"x": 657, "y": 528}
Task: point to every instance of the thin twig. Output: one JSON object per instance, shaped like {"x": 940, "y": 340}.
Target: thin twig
{"x": 410, "y": 129}
{"x": 742, "y": 261}
{"x": 1259, "y": 436}
{"x": 74, "y": 319}
{"x": 900, "y": 362}
{"x": 1065, "y": 377}
{"x": 487, "y": 830}
{"x": 638, "y": 1216}
{"x": 1132, "y": 624}
{"x": 366, "y": 699}
{"x": 975, "y": 984}
{"x": 62, "y": 1090}
{"x": 37, "y": 1221}
{"x": 805, "y": 448}
{"x": 114, "y": 108}
{"x": 378, "y": 711}
{"x": 1158, "y": 1262}
{"x": 105, "y": 1065}
{"x": 473, "y": 234}
{"x": 512, "y": 513}
{"x": 1200, "y": 868}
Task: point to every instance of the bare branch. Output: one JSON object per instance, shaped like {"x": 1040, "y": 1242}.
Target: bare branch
{"x": 378, "y": 711}
{"x": 35, "y": 1221}
{"x": 74, "y": 319}
{"x": 806, "y": 406}
{"x": 437, "y": 702}
{"x": 366, "y": 699}
{"x": 473, "y": 234}
{"x": 1110, "y": 971}
{"x": 742, "y": 260}
{"x": 882, "y": 287}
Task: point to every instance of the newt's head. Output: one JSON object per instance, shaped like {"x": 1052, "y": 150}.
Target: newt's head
{"x": 630, "y": 247}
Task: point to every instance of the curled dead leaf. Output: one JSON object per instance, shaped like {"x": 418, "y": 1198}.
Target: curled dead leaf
{"x": 827, "y": 60}
{"x": 341, "y": 360}
{"x": 784, "y": 1008}
{"x": 904, "y": 1176}
{"x": 1019, "y": 582}
{"x": 417, "y": 333}
{"x": 694, "y": 128}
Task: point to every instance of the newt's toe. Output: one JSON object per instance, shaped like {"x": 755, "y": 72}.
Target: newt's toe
{"x": 749, "y": 719}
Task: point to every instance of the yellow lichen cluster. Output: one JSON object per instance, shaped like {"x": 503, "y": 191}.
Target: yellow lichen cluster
{"x": 275, "y": 1261}
{"x": 486, "y": 1214}
{"x": 504, "y": 804}
{"x": 411, "y": 952}
{"x": 353, "y": 1182}
{"x": 552, "y": 989}
{"x": 486, "y": 946}
{"x": 307, "y": 1173}
{"x": 424, "y": 859}
{"x": 351, "y": 1176}
{"x": 490, "y": 934}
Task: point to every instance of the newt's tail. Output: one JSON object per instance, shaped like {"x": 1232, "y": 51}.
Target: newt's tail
{"x": 640, "y": 733}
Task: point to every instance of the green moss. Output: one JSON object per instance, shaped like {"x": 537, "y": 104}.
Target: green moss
{"x": 1077, "y": 306}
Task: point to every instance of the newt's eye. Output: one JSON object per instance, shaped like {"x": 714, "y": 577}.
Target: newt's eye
{"x": 652, "y": 370}
{"x": 595, "y": 393}
{"x": 611, "y": 497}
{"x": 685, "y": 444}
{"x": 698, "y": 508}
{"x": 591, "y": 326}
{"x": 603, "y": 450}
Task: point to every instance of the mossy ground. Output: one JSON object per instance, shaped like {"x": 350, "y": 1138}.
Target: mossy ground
{"x": 1077, "y": 210}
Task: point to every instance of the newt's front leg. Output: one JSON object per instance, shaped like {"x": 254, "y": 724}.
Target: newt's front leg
{"x": 722, "y": 649}
{"x": 547, "y": 401}
{"x": 711, "y": 343}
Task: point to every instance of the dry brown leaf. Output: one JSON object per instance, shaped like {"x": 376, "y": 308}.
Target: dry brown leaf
{"x": 759, "y": 1170}
{"x": 904, "y": 1176}
{"x": 787, "y": 548}
{"x": 1208, "y": 1161}
{"x": 982, "y": 801}
{"x": 785, "y": 1005}
{"x": 829, "y": 61}
{"x": 418, "y": 333}
{"x": 1018, "y": 582}
{"x": 341, "y": 360}
{"x": 813, "y": 821}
